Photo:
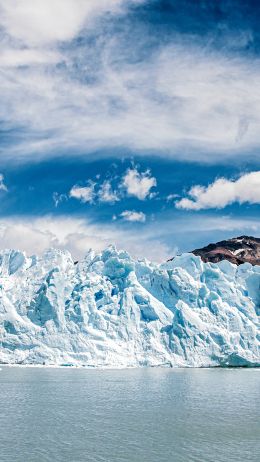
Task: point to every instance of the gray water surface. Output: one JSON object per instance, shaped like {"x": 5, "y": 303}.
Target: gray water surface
{"x": 141, "y": 415}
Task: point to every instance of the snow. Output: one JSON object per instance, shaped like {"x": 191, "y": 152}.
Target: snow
{"x": 110, "y": 310}
{"x": 238, "y": 251}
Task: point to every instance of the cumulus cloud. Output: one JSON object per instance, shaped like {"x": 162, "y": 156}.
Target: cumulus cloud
{"x": 91, "y": 193}
{"x": 131, "y": 215}
{"x": 106, "y": 193}
{"x": 83, "y": 193}
{"x": 223, "y": 192}
{"x": 138, "y": 184}
{"x": 132, "y": 183}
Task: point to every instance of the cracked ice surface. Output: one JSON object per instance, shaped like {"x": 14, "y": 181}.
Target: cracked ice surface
{"x": 110, "y": 310}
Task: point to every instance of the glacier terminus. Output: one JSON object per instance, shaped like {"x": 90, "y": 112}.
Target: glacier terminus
{"x": 110, "y": 310}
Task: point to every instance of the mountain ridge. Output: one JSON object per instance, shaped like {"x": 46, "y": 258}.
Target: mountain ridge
{"x": 237, "y": 250}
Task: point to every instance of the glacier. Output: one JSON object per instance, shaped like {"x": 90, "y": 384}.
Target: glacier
{"x": 111, "y": 310}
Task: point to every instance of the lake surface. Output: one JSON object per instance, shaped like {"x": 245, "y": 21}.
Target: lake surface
{"x": 141, "y": 415}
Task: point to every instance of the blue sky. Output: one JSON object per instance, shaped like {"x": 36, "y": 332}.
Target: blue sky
{"x": 129, "y": 122}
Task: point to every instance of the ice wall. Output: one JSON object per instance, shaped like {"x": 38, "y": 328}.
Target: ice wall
{"x": 111, "y": 310}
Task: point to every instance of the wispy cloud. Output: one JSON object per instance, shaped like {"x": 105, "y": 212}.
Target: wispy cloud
{"x": 63, "y": 96}
{"x": 13, "y": 58}
{"x": 58, "y": 198}
{"x": 3, "y": 187}
{"x": 223, "y": 192}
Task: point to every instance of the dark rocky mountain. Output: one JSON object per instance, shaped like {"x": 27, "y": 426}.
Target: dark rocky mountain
{"x": 237, "y": 250}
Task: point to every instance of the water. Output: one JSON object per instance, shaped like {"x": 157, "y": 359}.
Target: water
{"x": 143, "y": 415}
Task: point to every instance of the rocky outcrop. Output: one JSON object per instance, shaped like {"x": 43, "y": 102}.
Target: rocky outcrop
{"x": 238, "y": 250}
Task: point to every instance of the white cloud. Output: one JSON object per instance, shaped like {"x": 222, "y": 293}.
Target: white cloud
{"x": 132, "y": 183}
{"x": 41, "y": 22}
{"x": 138, "y": 184}
{"x": 156, "y": 105}
{"x": 223, "y": 192}
{"x": 106, "y": 193}
{"x": 193, "y": 111}
{"x": 92, "y": 192}
{"x": 24, "y": 57}
{"x": 34, "y": 235}
{"x": 170, "y": 197}
{"x": 131, "y": 215}
{"x": 3, "y": 187}
{"x": 83, "y": 193}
